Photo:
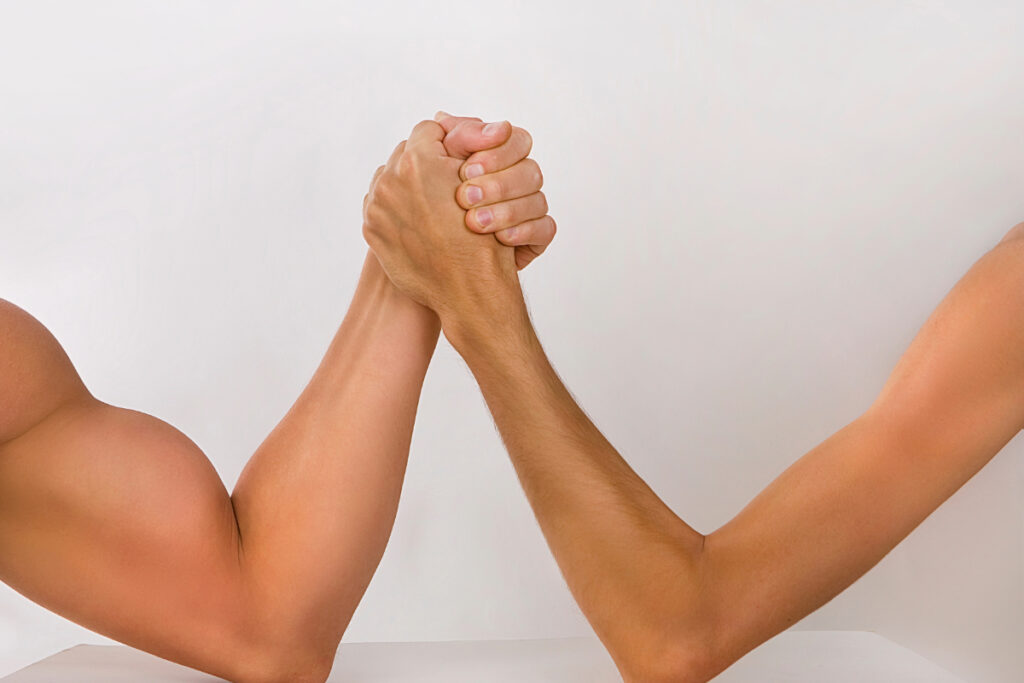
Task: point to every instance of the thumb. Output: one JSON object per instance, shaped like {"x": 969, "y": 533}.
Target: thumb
{"x": 472, "y": 136}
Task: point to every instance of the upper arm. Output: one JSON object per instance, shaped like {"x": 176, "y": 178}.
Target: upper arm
{"x": 111, "y": 517}
{"x": 36, "y": 376}
{"x": 958, "y": 390}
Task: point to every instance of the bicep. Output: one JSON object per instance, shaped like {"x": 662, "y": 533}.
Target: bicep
{"x": 117, "y": 521}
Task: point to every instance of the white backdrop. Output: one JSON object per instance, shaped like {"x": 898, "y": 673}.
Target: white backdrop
{"x": 759, "y": 203}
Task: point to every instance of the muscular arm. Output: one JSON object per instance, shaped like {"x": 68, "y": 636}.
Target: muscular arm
{"x": 672, "y": 604}
{"x": 118, "y": 521}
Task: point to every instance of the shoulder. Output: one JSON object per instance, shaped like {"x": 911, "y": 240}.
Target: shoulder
{"x": 36, "y": 375}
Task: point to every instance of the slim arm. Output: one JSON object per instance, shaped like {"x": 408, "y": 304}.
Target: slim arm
{"x": 672, "y": 604}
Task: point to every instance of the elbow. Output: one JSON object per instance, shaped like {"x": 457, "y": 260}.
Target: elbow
{"x": 671, "y": 651}
{"x": 681, "y": 662}
{"x": 279, "y": 663}
{"x": 281, "y": 670}
{"x": 681, "y": 639}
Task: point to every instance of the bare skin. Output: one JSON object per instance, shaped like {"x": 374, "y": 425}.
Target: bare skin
{"x": 118, "y": 521}
{"x": 670, "y": 603}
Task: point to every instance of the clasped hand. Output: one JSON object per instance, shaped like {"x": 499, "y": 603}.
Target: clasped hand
{"x": 456, "y": 211}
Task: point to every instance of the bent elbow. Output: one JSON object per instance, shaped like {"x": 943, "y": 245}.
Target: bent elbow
{"x": 291, "y": 664}
{"x": 682, "y": 662}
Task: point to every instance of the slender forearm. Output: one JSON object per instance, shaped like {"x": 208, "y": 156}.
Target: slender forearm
{"x": 628, "y": 560}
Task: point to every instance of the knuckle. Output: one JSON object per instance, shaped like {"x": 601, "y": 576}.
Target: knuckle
{"x": 496, "y": 187}
{"x": 369, "y": 234}
{"x": 383, "y": 187}
{"x": 408, "y": 164}
{"x": 424, "y": 124}
{"x": 504, "y": 215}
{"x": 376, "y": 216}
{"x": 512, "y": 238}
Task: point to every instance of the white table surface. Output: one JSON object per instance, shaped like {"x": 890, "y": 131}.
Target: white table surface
{"x": 792, "y": 657}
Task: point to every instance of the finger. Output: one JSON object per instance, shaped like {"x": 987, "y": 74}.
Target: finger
{"x": 471, "y": 136}
{"x": 507, "y": 214}
{"x": 526, "y": 254}
{"x": 512, "y": 151}
{"x": 425, "y": 134}
{"x": 521, "y": 180}
{"x": 448, "y": 121}
{"x": 538, "y": 232}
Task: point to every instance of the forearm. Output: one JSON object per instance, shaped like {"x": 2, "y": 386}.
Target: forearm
{"x": 633, "y": 566}
{"x": 325, "y": 484}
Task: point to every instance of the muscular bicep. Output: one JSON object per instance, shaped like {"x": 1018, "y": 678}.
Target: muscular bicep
{"x": 117, "y": 521}
{"x": 108, "y": 516}
{"x": 36, "y": 375}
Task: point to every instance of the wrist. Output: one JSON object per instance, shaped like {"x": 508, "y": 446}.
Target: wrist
{"x": 378, "y": 297}
{"x": 497, "y": 325}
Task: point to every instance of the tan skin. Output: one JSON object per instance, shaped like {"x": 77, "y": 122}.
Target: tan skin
{"x": 670, "y": 603}
{"x": 119, "y": 522}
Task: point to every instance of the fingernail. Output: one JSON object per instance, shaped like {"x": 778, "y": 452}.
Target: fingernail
{"x": 509, "y": 233}
{"x": 492, "y": 128}
{"x": 441, "y": 114}
{"x": 474, "y": 194}
{"x": 484, "y": 217}
{"x": 474, "y": 170}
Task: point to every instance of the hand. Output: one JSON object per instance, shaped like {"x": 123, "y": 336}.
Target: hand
{"x": 415, "y": 227}
{"x": 512, "y": 205}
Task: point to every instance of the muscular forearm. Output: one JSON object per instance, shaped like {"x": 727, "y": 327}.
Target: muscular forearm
{"x": 347, "y": 438}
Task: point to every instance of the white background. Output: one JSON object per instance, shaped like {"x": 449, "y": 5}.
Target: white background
{"x": 759, "y": 203}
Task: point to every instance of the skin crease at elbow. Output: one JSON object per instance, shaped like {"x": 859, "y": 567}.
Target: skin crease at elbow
{"x": 118, "y": 521}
